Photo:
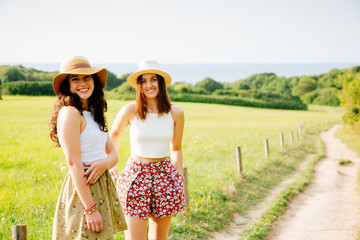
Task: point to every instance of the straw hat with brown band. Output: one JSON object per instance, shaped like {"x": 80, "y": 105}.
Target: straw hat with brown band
{"x": 80, "y": 66}
{"x": 148, "y": 66}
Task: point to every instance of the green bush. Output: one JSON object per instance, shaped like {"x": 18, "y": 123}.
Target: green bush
{"x": 11, "y": 74}
{"x": 20, "y": 73}
{"x": 180, "y": 88}
{"x": 285, "y": 103}
{"x": 351, "y": 99}
{"x": 326, "y": 96}
{"x": 113, "y": 82}
{"x": 123, "y": 92}
{"x": 305, "y": 85}
{"x": 232, "y": 93}
{"x": 309, "y": 97}
{"x": 251, "y": 98}
{"x": 265, "y": 82}
{"x": 255, "y": 94}
{"x": 209, "y": 85}
{"x": 29, "y": 88}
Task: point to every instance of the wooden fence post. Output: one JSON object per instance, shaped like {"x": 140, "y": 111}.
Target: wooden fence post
{"x": 266, "y": 144}
{"x": 281, "y": 140}
{"x": 19, "y": 232}
{"x": 300, "y": 130}
{"x": 239, "y": 160}
{"x": 291, "y": 138}
{"x": 297, "y": 135}
{"x": 186, "y": 188}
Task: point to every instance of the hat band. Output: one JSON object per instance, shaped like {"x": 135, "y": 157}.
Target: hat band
{"x": 79, "y": 65}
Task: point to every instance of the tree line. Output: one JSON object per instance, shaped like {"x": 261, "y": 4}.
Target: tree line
{"x": 265, "y": 90}
{"x": 18, "y": 80}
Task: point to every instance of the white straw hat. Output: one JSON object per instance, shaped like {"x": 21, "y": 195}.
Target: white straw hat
{"x": 148, "y": 66}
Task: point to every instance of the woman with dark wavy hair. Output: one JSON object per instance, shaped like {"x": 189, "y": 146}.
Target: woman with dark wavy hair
{"x": 151, "y": 186}
{"x": 88, "y": 206}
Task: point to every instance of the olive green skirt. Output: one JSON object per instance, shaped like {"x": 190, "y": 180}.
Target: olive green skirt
{"x": 69, "y": 220}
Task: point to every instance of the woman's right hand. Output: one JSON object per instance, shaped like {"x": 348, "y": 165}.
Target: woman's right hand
{"x": 94, "y": 221}
{"x": 94, "y": 171}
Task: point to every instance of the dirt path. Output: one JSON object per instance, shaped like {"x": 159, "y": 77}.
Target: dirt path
{"x": 240, "y": 223}
{"x": 329, "y": 207}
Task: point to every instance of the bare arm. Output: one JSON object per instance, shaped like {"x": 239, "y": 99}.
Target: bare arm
{"x": 122, "y": 120}
{"x": 69, "y": 122}
{"x": 175, "y": 146}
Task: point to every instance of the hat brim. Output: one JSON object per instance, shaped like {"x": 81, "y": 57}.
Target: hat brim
{"x": 132, "y": 79}
{"x": 101, "y": 73}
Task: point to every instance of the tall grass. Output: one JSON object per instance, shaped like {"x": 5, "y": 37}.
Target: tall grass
{"x": 33, "y": 170}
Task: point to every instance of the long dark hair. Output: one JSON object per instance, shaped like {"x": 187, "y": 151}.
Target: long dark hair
{"x": 96, "y": 105}
{"x": 163, "y": 100}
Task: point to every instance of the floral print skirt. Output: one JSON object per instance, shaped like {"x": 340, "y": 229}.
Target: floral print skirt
{"x": 70, "y": 221}
{"x": 151, "y": 189}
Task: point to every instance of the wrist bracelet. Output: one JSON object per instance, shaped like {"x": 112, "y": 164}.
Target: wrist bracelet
{"x": 90, "y": 208}
{"x": 90, "y": 211}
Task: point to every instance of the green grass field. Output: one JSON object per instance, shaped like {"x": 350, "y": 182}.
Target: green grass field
{"x": 32, "y": 169}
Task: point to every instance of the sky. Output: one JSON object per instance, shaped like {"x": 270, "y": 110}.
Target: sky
{"x": 185, "y": 31}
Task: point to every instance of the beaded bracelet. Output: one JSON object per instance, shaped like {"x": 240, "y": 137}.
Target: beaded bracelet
{"x": 90, "y": 211}
{"x": 90, "y": 208}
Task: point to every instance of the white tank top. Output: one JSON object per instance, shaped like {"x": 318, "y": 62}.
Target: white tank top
{"x": 151, "y": 138}
{"x": 92, "y": 140}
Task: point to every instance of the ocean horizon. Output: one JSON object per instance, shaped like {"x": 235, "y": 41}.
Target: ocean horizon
{"x": 222, "y": 72}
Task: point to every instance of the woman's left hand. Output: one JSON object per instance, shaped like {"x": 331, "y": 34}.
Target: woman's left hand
{"x": 95, "y": 170}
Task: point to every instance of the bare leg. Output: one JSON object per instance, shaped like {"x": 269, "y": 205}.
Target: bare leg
{"x": 159, "y": 228}
{"x": 137, "y": 228}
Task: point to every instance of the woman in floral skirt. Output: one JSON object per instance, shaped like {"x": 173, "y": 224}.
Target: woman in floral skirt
{"x": 88, "y": 206}
{"x": 151, "y": 186}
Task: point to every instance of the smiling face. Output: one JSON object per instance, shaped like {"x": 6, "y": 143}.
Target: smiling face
{"x": 150, "y": 85}
{"x": 82, "y": 85}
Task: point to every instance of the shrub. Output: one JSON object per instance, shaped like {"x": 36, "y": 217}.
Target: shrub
{"x": 351, "y": 99}
{"x": 285, "y": 103}
{"x": 123, "y": 92}
{"x": 113, "y": 82}
{"x": 327, "y": 96}
{"x": 11, "y": 74}
{"x": 309, "y": 97}
{"x": 209, "y": 85}
{"x": 180, "y": 88}
{"x": 20, "y": 73}
{"x": 305, "y": 85}
{"x": 29, "y": 88}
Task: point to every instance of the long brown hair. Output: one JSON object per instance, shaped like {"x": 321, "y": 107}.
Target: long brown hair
{"x": 163, "y": 100}
{"x": 96, "y": 105}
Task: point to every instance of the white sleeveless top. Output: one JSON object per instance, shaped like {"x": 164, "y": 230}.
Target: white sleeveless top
{"x": 151, "y": 138}
{"x": 92, "y": 140}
